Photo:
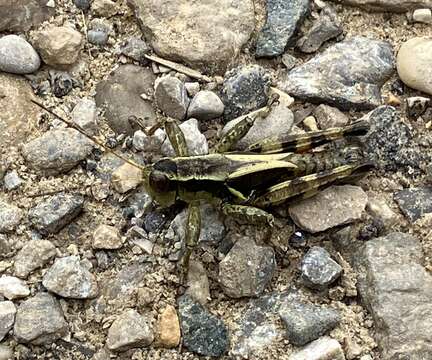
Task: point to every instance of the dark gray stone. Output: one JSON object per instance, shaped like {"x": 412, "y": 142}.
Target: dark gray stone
{"x": 203, "y": 333}
{"x": 51, "y": 215}
{"x": 61, "y": 83}
{"x": 82, "y": 4}
{"x": 283, "y": 19}
{"x": 348, "y": 75}
{"x": 415, "y": 202}
{"x": 171, "y": 97}
{"x": 97, "y": 37}
{"x": 17, "y": 56}
{"x": 244, "y": 89}
{"x": 318, "y": 269}
{"x": 136, "y": 49}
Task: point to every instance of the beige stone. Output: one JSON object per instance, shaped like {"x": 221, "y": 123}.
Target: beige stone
{"x": 126, "y": 177}
{"x": 168, "y": 328}
{"x": 107, "y": 237}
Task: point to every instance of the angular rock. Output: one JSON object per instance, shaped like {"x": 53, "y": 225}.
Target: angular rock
{"x": 57, "y": 151}
{"x": 107, "y": 237}
{"x": 334, "y": 206}
{"x": 168, "y": 328}
{"x": 119, "y": 96}
{"x": 203, "y": 333}
{"x": 84, "y": 114}
{"x": 7, "y": 318}
{"x": 197, "y": 283}
{"x": 54, "y": 213}
{"x": 13, "y": 288}
{"x": 126, "y": 177}
{"x": 247, "y": 269}
{"x": 283, "y": 19}
{"x": 126, "y": 281}
{"x": 397, "y": 289}
{"x": 136, "y": 49}
{"x": 329, "y": 117}
{"x": 180, "y": 32}
{"x": 171, "y": 97}
{"x": 68, "y": 278}
{"x": 62, "y": 83}
{"x": 33, "y": 255}
{"x": 324, "y": 348}
{"x": 289, "y": 61}
{"x": 205, "y": 105}
{"x": 82, "y": 4}
{"x": 399, "y": 6}
{"x": 12, "y": 181}
{"x": 39, "y": 320}
{"x": 17, "y": 56}
{"x": 416, "y": 106}
{"x": 326, "y": 78}
{"x": 10, "y": 217}
{"x": 98, "y": 37}
{"x": 244, "y": 89}
{"x": 415, "y": 202}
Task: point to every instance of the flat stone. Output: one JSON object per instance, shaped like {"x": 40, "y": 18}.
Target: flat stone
{"x": 334, "y": 206}
{"x": 399, "y": 6}
{"x": 119, "y": 97}
{"x": 84, "y": 114}
{"x": 197, "y": 286}
{"x": 205, "y": 105}
{"x": 130, "y": 330}
{"x": 171, "y": 97}
{"x": 54, "y": 213}
{"x": 203, "y": 333}
{"x": 6, "y": 352}
{"x": 107, "y": 237}
{"x": 324, "y": 348}
{"x": 184, "y": 33}
{"x": 126, "y": 177}
{"x": 68, "y": 278}
{"x": 10, "y": 217}
{"x": 136, "y": 49}
{"x": 283, "y": 19}
{"x": 7, "y": 318}
{"x": 126, "y": 281}
{"x": 168, "y": 328}
{"x": 13, "y": 288}
{"x": 17, "y": 56}
{"x": 396, "y": 290}
{"x": 39, "y": 320}
{"x": 33, "y": 255}
{"x": 415, "y": 202}
{"x": 325, "y": 78}
{"x": 247, "y": 269}
{"x": 329, "y": 117}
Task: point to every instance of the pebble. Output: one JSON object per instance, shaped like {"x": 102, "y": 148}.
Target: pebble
{"x": 126, "y": 177}
{"x": 244, "y": 89}
{"x": 329, "y": 117}
{"x": 318, "y": 269}
{"x": 289, "y": 61}
{"x": 324, "y": 78}
{"x": 10, "y": 217}
{"x": 379, "y": 209}
{"x": 205, "y": 105}
{"x": 130, "y": 330}
{"x": 82, "y": 4}
{"x": 84, "y": 114}
{"x": 324, "y": 348}
{"x": 13, "y": 288}
{"x": 136, "y": 49}
{"x": 104, "y": 8}
{"x": 283, "y": 19}
{"x": 58, "y": 45}
{"x": 69, "y": 278}
{"x": 168, "y": 328}
{"x": 33, "y": 255}
{"x": 7, "y": 318}
{"x": 247, "y": 269}
{"x": 414, "y": 202}
{"x": 57, "y": 151}
{"x": 53, "y": 214}
{"x": 6, "y": 352}
{"x": 148, "y": 144}
{"x": 192, "y": 88}
{"x": 422, "y": 16}
{"x": 197, "y": 283}
{"x": 203, "y": 333}
{"x": 61, "y": 83}
{"x": 107, "y": 237}
{"x": 310, "y": 123}
{"x": 17, "y": 56}
{"x": 12, "y": 181}
{"x": 171, "y": 97}
{"x": 416, "y": 106}
{"x": 97, "y": 37}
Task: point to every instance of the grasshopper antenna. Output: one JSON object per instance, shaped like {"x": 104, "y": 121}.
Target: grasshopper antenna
{"x": 80, "y": 129}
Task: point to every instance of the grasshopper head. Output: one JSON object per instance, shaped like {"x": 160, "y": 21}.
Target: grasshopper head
{"x": 159, "y": 186}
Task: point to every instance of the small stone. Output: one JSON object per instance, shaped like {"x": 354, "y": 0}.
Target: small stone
{"x": 97, "y": 37}
{"x": 6, "y": 352}
{"x": 324, "y": 348}
{"x": 68, "y": 278}
{"x": 192, "y": 88}
{"x": 171, "y": 97}
{"x": 17, "y": 56}
{"x": 13, "y": 288}
{"x": 168, "y": 328}
{"x": 125, "y": 283}
{"x": 107, "y": 237}
{"x": 82, "y": 4}
{"x": 7, "y": 318}
{"x": 329, "y": 117}
{"x": 318, "y": 269}
{"x": 39, "y": 320}
{"x": 205, "y": 105}
{"x": 104, "y": 8}
{"x": 84, "y": 114}
{"x": 415, "y": 202}
{"x": 247, "y": 269}
{"x": 305, "y": 323}
{"x": 130, "y": 330}
{"x": 10, "y": 217}
{"x": 197, "y": 283}
{"x": 12, "y": 181}
{"x": 61, "y": 83}
{"x": 203, "y": 333}
{"x": 310, "y": 123}
{"x": 378, "y": 208}
{"x": 33, "y": 255}
{"x": 289, "y": 61}
{"x": 58, "y": 46}
{"x": 422, "y": 16}
{"x": 148, "y": 144}
{"x": 334, "y": 206}
{"x": 126, "y": 177}
{"x": 54, "y": 213}
{"x": 136, "y": 49}
{"x": 416, "y": 106}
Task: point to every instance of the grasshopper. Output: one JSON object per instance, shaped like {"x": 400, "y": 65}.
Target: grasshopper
{"x": 245, "y": 184}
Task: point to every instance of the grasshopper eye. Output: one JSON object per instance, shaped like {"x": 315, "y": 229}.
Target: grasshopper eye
{"x": 159, "y": 182}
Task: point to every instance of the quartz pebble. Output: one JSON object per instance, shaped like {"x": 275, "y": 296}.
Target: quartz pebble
{"x": 17, "y": 56}
{"x": 126, "y": 177}
{"x": 205, "y": 105}
{"x": 324, "y": 348}
{"x": 197, "y": 283}
{"x": 12, "y": 181}
{"x": 422, "y": 15}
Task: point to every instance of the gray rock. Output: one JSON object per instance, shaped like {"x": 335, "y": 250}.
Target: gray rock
{"x": 329, "y": 76}
{"x": 12, "y": 181}
{"x": 397, "y": 289}
{"x": 10, "y": 217}
{"x": 399, "y": 6}
{"x": 203, "y": 333}
{"x": 205, "y": 105}
{"x": 57, "y": 151}
{"x": 6, "y": 246}
{"x": 84, "y": 114}
{"x": 104, "y": 8}
{"x": 324, "y": 348}
{"x": 326, "y": 27}
{"x": 39, "y": 320}
{"x": 6, "y": 352}
{"x": 171, "y": 97}
{"x": 68, "y": 278}
{"x": 184, "y": 33}
{"x": 415, "y": 202}
{"x": 97, "y": 37}
{"x": 416, "y": 106}
{"x": 129, "y": 330}
{"x": 247, "y": 269}
{"x": 192, "y": 88}
{"x": 289, "y": 61}
{"x": 33, "y": 255}
{"x": 328, "y": 117}
{"x": 82, "y": 4}
{"x": 422, "y": 16}
{"x": 149, "y": 144}
{"x": 136, "y": 49}
{"x": 125, "y": 283}
{"x": 318, "y": 269}
{"x": 197, "y": 283}
{"x": 283, "y": 19}
{"x": 305, "y": 323}
{"x": 334, "y": 206}
{"x": 244, "y": 89}
{"x": 119, "y": 96}
{"x": 54, "y": 213}
{"x": 107, "y": 237}
{"x": 7, "y": 318}
{"x": 17, "y": 56}
{"x": 13, "y": 288}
